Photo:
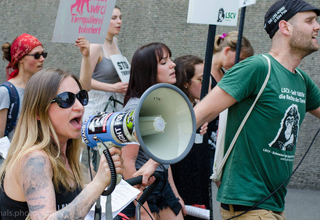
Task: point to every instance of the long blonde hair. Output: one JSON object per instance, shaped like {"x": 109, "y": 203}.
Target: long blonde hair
{"x": 230, "y": 40}
{"x": 35, "y": 131}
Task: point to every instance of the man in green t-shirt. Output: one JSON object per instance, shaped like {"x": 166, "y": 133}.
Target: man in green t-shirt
{"x": 262, "y": 157}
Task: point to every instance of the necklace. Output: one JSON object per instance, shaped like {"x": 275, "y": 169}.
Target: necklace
{"x": 110, "y": 41}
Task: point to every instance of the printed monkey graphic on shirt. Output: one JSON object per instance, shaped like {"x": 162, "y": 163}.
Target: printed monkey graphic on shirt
{"x": 287, "y": 135}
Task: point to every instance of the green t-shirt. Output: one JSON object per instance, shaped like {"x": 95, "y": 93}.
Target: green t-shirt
{"x": 262, "y": 158}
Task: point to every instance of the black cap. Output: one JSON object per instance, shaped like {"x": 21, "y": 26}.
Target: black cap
{"x": 284, "y": 10}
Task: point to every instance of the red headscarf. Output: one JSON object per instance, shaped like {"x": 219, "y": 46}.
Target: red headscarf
{"x": 20, "y": 47}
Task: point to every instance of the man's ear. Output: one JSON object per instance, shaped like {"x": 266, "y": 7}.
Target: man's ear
{"x": 285, "y": 27}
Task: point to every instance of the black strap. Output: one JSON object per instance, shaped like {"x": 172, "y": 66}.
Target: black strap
{"x": 111, "y": 98}
{"x": 13, "y": 109}
{"x": 237, "y": 208}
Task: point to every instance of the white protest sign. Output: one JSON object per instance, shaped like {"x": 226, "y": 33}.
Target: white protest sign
{"x": 215, "y": 12}
{"x": 122, "y": 65}
{"x": 87, "y": 18}
{"x": 121, "y": 197}
{"x": 244, "y": 3}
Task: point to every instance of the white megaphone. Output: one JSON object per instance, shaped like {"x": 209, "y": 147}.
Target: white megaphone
{"x": 163, "y": 125}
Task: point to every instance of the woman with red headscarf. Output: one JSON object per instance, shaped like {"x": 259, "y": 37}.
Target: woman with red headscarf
{"x": 26, "y": 57}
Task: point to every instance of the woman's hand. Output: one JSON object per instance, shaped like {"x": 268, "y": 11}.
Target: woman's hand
{"x": 83, "y": 45}
{"x": 120, "y": 87}
{"x": 103, "y": 175}
{"x": 146, "y": 172}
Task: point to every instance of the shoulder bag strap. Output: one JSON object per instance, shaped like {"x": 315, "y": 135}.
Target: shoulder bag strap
{"x": 245, "y": 118}
{"x": 13, "y": 109}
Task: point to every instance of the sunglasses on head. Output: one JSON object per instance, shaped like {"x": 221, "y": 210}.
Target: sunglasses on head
{"x": 67, "y": 99}
{"x": 38, "y": 55}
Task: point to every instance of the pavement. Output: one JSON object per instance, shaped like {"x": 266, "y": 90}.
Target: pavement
{"x": 300, "y": 204}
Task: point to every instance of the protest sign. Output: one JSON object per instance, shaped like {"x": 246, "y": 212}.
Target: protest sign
{"x": 122, "y": 65}
{"x": 87, "y": 18}
{"x": 244, "y": 3}
{"x": 215, "y": 12}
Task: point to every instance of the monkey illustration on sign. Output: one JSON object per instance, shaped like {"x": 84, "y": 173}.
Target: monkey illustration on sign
{"x": 220, "y": 15}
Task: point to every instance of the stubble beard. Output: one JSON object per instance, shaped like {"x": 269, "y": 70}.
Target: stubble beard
{"x": 301, "y": 45}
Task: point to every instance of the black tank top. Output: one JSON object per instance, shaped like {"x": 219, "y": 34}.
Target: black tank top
{"x": 213, "y": 125}
{"x": 11, "y": 209}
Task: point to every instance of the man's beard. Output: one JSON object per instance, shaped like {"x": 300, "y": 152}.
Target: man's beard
{"x": 301, "y": 45}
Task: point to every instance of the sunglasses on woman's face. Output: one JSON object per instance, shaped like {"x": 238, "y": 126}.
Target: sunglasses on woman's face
{"x": 67, "y": 99}
{"x": 38, "y": 55}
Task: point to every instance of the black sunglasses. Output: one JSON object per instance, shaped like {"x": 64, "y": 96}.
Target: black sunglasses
{"x": 67, "y": 99}
{"x": 38, "y": 55}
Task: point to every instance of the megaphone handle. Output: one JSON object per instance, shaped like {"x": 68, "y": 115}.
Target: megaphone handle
{"x": 138, "y": 180}
{"x": 147, "y": 192}
{"x": 135, "y": 180}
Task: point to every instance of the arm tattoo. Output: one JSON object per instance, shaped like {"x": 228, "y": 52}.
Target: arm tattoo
{"x": 76, "y": 210}
{"x": 33, "y": 175}
{"x": 35, "y": 207}
{"x": 36, "y": 179}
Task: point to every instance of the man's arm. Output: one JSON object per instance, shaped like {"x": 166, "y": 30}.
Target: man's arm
{"x": 206, "y": 110}
{"x": 215, "y": 102}
{"x": 316, "y": 112}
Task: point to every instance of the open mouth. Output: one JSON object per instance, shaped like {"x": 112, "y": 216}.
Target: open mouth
{"x": 76, "y": 122}
{"x": 315, "y": 37}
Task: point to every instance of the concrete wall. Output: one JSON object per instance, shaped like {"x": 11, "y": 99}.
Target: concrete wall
{"x": 146, "y": 21}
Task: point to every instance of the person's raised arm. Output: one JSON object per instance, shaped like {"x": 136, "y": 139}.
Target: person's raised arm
{"x": 35, "y": 178}
{"x": 86, "y": 70}
{"x": 215, "y": 102}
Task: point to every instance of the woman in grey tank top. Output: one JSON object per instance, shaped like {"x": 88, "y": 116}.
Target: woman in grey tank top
{"x": 105, "y": 81}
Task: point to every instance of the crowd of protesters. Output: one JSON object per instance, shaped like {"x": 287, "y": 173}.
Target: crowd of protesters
{"x": 42, "y": 175}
